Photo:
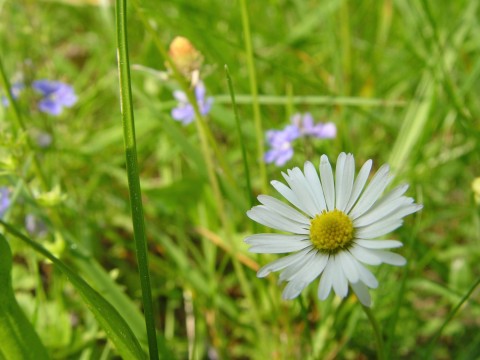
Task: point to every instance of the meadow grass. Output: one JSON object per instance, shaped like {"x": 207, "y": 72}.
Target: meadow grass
{"x": 398, "y": 79}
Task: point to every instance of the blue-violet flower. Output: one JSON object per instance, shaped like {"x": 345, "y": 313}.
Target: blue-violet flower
{"x": 184, "y": 112}
{"x": 4, "y": 201}
{"x": 56, "y": 96}
{"x": 308, "y": 128}
{"x": 280, "y": 142}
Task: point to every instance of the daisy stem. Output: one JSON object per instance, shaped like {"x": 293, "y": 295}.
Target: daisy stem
{"x": 306, "y": 329}
{"x": 254, "y": 92}
{"x": 240, "y": 137}
{"x": 377, "y": 331}
{"x": 133, "y": 173}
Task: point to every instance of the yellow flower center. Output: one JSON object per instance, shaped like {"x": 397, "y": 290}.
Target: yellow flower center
{"x": 331, "y": 231}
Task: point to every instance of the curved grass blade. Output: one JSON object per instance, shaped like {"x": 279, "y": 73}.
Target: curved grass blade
{"x": 19, "y": 341}
{"x": 110, "y": 320}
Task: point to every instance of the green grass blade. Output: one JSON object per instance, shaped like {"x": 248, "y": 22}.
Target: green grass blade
{"x": 450, "y": 317}
{"x": 416, "y": 118}
{"x": 254, "y": 91}
{"x": 110, "y": 320}
{"x": 133, "y": 173}
{"x": 240, "y": 138}
{"x": 19, "y": 339}
{"x": 105, "y": 285}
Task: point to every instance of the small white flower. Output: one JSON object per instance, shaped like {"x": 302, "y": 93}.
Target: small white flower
{"x": 334, "y": 229}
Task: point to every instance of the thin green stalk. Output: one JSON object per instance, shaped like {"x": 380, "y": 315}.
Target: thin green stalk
{"x": 240, "y": 137}
{"x": 207, "y": 139}
{"x": 450, "y": 317}
{"x": 254, "y": 91}
{"x": 133, "y": 173}
{"x": 17, "y": 115}
{"x": 312, "y": 100}
{"x": 377, "y": 332}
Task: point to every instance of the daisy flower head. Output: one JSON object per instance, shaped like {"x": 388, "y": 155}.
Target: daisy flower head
{"x": 335, "y": 219}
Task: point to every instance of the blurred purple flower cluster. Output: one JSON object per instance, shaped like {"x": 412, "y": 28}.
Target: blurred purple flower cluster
{"x": 184, "y": 111}
{"x": 54, "y": 95}
{"x": 302, "y": 125}
{"x": 4, "y": 201}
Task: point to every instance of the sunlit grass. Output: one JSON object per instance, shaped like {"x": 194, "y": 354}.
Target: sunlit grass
{"x": 400, "y": 81}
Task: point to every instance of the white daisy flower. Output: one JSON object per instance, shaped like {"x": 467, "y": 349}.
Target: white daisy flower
{"x": 334, "y": 230}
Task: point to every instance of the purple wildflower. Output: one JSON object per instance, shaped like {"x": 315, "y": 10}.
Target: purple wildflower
{"x": 302, "y": 125}
{"x": 56, "y": 96}
{"x": 281, "y": 144}
{"x": 184, "y": 111}
{"x": 308, "y": 128}
{"x": 4, "y": 201}
{"x": 15, "y": 90}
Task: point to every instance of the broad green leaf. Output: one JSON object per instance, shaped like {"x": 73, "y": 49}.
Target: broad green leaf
{"x": 108, "y": 317}
{"x": 18, "y": 337}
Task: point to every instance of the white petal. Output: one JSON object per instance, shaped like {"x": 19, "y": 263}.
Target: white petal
{"x": 264, "y": 216}
{"x": 293, "y": 289}
{"x": 316, "y": 266}
{"x": 340, "y": 283}
{"x": 326, "y": 175}
{"x": 393, "y": 194}
{"x": 290, "y": 272}
{"x": 379, "y": 244}
{"x": 339, "y": 179}
{"x": 347, "y": 183}
{"x": 283, "y": 262}
{"x": 277, "y": 243}
{"x": 366, "y": 276}
{"x": 348, "y": 266}
{"x": 305, "y": 276}
{"x": 359, "y": 184}
{"x": 379, "y": 212}
{"x": 287, "y": 193}
{"x": 388, "y": 257}
{"x": 316, "y": 187}
{"x": 299, "y": 185}
{"x": 373, "y": 191}
{"x": 401, "y": 212}
{"x": 283, "y": 209}
{"x": 326, "y": 281}
{"x": 365, "y": 255}
{"x": 377, "y": 229}
{"x": 362, "y": 293}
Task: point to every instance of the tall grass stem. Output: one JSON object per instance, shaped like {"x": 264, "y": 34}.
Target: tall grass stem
{"x": 240, "y": 138}
{"x": 133, "y": 173}
{"x": 254, "y": 91}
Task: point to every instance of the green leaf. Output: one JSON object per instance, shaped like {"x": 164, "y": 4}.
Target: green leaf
{"x": 110, "y": 320}
{"x": 18, "y": 337}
